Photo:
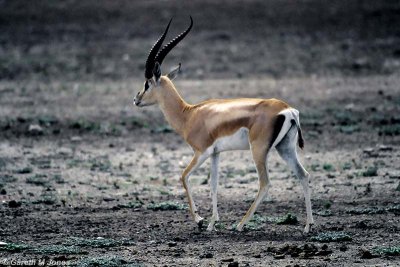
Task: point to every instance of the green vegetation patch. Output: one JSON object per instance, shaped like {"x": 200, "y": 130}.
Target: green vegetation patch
{"x": 345, "y": 118}
{"x": 97, "y": 242}
{"x": 162, "y": 129}
{"x": 395, "y": 209}
{"x": 326, "y": 237}
{"x": 375, "y": 210}
{"x": 347, "y": 166}
{"x": 135, "y": 122}
{"x": 370, "y": 171}
{"x": 255, "y": 223}
{"x": 132, "y": 205}
{"x": 47, "y": 120}
{"x": 315, "y": 167}
{"x": 58, "y": 179}
{"x": 41, "y": 163}
{"x": 166, "y": 206}
{"x": 6, "y": 178}
{"x": 220, "y": 226}
{"x": 392, "y": 129}
{"x": 312, "y": 119}
{"x": 57, "y": 249}
{"x": 324, "y": 213}
{"x": 3, "y": 163}
{"x": 370, "y": 210}
{"x": 328, "y": 167}
{"x": 287, "y": 219}
{"x": 24, "y": 170}
{"x": 48, "y": 198}
{"x": 38, "y": 179}
{"x": 349, "y": 129}
{"x": 85, "y": 125}
{"x": 14, "y": 247}
{"x": 106, "y": 261}
{"x": 102, "y": 164}
{"x": 387, "y": 251}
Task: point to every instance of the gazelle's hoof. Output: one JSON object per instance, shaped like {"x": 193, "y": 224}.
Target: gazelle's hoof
{"x": 239, "y": 227}
{"x": 211, "y": 227}
{"x": 307, "y": 229}
{"x": 200, "y": 222}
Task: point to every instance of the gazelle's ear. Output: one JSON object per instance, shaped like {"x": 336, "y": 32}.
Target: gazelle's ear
{"x": 157, "y": 72}
{"x": 174, "y": 72}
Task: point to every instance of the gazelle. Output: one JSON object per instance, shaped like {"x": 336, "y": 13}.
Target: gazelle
{"x": 218, "y": 125}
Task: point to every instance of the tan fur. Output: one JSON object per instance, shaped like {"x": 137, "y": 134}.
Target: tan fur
{"x": 201, "y": 124}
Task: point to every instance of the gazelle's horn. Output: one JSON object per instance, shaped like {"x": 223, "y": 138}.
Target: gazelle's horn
{"x": 168, "y": 47}
{"x": 148, "y": 73}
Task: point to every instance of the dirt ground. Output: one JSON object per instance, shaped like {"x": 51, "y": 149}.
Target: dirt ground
{"x": 87, "y": 179}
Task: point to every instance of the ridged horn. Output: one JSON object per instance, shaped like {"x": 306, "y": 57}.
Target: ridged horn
{"x": 148, "y": 73}
{"x": 168, "y": 47}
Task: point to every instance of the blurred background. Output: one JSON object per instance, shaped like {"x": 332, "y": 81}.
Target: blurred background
{"x": 97, "y": 40}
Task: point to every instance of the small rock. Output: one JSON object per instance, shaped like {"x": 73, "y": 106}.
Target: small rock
{"x": 179, "y": 239}
{"x": 76, "y": 139}
{"x": 279, "y": 256}
{"x": 360, "y": 64}
{"x": 172, "y": 244}
{"x": 368, "y": 150}
{"x": 349, "y": 106}
{"x": 107, "y": 199}
{"x": 65, "y": 151}
{"x": 14, "y": 204}
{"x": 385, "y": 148}
{"x": 365, "y": 254}
{"x": 207, "y": 255}
{"x": 343, "y": 248}
{"x": 2, "y": 244}
{"x": 233, "y": 264}
{"x": 324, "y": 252}
{"x": 3, "y": 192}
{"x": 35, "y": 129}
{"x": 394, "y": 175}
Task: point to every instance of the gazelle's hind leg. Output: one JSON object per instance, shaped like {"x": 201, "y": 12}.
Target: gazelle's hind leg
{"x": 287, "y": 150}
{"x": 214, "y": 187}
{"x": 259, "y": 155}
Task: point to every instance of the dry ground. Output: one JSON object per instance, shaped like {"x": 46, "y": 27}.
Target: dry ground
{"x": 83, "y": 173}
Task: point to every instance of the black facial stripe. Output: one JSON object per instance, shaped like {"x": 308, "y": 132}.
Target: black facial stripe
{"x": 146, "y": 85}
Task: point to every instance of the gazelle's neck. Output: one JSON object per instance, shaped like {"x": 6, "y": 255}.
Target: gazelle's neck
{"x": 174, "y": 108}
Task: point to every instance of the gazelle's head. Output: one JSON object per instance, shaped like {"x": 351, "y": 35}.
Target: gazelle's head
{"x": 150, "y": 92}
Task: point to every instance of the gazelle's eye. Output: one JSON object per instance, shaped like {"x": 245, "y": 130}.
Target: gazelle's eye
{"x": 146, "y": 85}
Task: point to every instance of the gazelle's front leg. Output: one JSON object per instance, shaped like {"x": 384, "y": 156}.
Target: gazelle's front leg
{"x": 214, "y": 187}
{"x": 197, "y": 160}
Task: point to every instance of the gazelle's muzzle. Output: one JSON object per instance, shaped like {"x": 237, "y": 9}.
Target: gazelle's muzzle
{"x": 137, "y": 100}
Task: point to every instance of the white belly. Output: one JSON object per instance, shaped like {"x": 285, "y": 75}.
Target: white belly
{"x": 238, "y": 141}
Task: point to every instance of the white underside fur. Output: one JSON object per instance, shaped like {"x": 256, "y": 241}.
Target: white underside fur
{"x": 240, "y": 139}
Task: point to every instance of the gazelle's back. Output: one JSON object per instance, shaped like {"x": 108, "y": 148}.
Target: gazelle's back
{"x": 221, "y": 118}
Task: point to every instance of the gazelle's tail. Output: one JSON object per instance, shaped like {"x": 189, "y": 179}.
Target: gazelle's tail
{"x": 295, "y": 113}
{"x": 285, "y": 120}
